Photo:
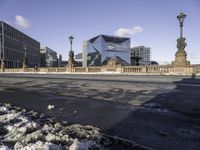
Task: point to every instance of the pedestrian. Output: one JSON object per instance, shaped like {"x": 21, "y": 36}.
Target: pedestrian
{"x": 36, "y": 68}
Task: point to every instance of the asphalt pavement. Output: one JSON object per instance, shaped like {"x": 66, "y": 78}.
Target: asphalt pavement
{"x": 160, "y": 112}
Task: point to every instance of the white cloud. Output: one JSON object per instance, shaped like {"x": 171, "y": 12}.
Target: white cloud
{"x": 22, "y": 22}
{"x": 127, "y": 32}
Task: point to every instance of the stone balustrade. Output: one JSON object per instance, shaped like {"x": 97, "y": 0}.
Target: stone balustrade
{"x": 133, "y": 69}
{"x": 94, "y": 69}
{"x": 80, "y": 69}
{"x": 159, "y": 69}
{"x": 196, "y": 69}
{"x": 141, "y": 70}
{"x": 147, "y": 69}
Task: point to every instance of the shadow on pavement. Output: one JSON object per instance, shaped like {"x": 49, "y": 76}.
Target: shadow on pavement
{"x": 168, "y": 121}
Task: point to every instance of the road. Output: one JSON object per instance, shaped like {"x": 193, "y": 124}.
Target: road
{"x": 160, "y": 112}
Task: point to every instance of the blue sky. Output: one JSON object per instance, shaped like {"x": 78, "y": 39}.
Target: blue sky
{"x": 150, "y": 23}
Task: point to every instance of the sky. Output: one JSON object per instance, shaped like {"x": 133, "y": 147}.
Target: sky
{"x": 150, "y": 23}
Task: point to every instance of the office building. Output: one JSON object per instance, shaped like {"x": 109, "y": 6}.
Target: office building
{"x": 14, "y": 45}
{"x": 48, "y": 57}
{"x": 100, "y": 49}
{"x": 78, "y": 60}
{"x": 59, "y": 57}
{"x": 140, "y": 55}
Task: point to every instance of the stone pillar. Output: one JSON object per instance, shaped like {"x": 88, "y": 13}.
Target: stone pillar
{"x": 24, "y": 65}
{"x": 112, "y": 65}
{"x": 71, "y": 62}
{"x": 181, "y": 55}
{"x": 2, "y": 65}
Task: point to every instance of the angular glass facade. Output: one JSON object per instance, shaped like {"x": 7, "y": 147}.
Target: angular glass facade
{"x": 98, "y": 50}
{"x": 14, "y": 45}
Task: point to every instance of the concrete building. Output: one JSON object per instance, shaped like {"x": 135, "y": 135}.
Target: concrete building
{"x": 64, "y": 63}
{"x": 100, "y": 49}
{"x": 59, "y": 60}
{"x": 14, "y": 45}
{"x": 140, "y": 55}
{"x": 48, "y": 57}
{"x": 79, "y": 60}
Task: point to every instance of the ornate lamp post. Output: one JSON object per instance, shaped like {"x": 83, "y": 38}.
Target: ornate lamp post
{"x": 181, "y": 17}
{"x": 71, "y": 40}
{"x": 181, "y": 55}
{"x": 2, "y": 57}
{"x": 25, "y": 58}
{"x": 71, "y": 61}
{"x": 2, "y": 62}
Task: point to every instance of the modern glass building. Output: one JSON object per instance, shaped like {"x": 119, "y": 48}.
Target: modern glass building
{"x": 140, "y": 55}
{"x": 100, "y": 49}
{"x": 48, "y": 57}
{"x": 14, "y": 45}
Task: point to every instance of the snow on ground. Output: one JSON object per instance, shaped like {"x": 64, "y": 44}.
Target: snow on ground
{"x": 28, "y": 130}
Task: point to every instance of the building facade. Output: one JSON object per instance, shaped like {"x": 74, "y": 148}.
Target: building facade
{"x": 100, "y": 49}
{"x": 59, "y": 59}
{"x": 48, "y": 57}
{"x": 14, "y": 45}
{"x": 79, "y": 60}
{"x": 140, "y": 55}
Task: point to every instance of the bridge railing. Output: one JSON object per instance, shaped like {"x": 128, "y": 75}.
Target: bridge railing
{"x": 80, "y": 69}
{"x": 13, "y": 70}
{"x": 135, "y": 69}
{"x": 94, "y": 69}
{"x": 147, "y": 69}
{"x": 159, "y": 69}
{"x": 196, "y": 68}
{"x": 151, "y": 70}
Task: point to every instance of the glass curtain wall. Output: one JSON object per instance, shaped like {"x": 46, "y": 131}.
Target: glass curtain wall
{"x": 102, "y": 48}
{"x": 15, "y": 45}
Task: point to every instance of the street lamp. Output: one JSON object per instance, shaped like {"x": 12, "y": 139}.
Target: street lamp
{"x": 71, "y": 40}
{"x": 2, "y": 62}
{"x": 71, "y": 53}
{"x": 2, "y": 56}
{"x": 181, "y": 54}
{"x": 71, "y": 61}
{"x": 25, "y": 57}
{"x": 181, "y": 18}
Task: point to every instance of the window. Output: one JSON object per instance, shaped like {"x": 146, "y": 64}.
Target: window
{"x": 0, "y": 28}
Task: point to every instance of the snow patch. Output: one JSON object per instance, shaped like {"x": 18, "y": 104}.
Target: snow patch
{"x": 29, "y": 130}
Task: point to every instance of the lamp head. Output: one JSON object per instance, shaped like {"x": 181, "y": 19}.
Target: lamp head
{"x": 181, "y": 17}
{"x": 71, "y": 38}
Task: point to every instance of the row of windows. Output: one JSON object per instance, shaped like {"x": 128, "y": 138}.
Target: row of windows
{"x": 18, "y": 46}
{"x": 10, "y": 54}
{"x": 12, "y": 64}
{"x": 12, "y": 32}
{"x": 13, "y": 55}
{"x": 1, "y": 29}
{"x": 1, "y": 38}
{"x": 17, "y": 64}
